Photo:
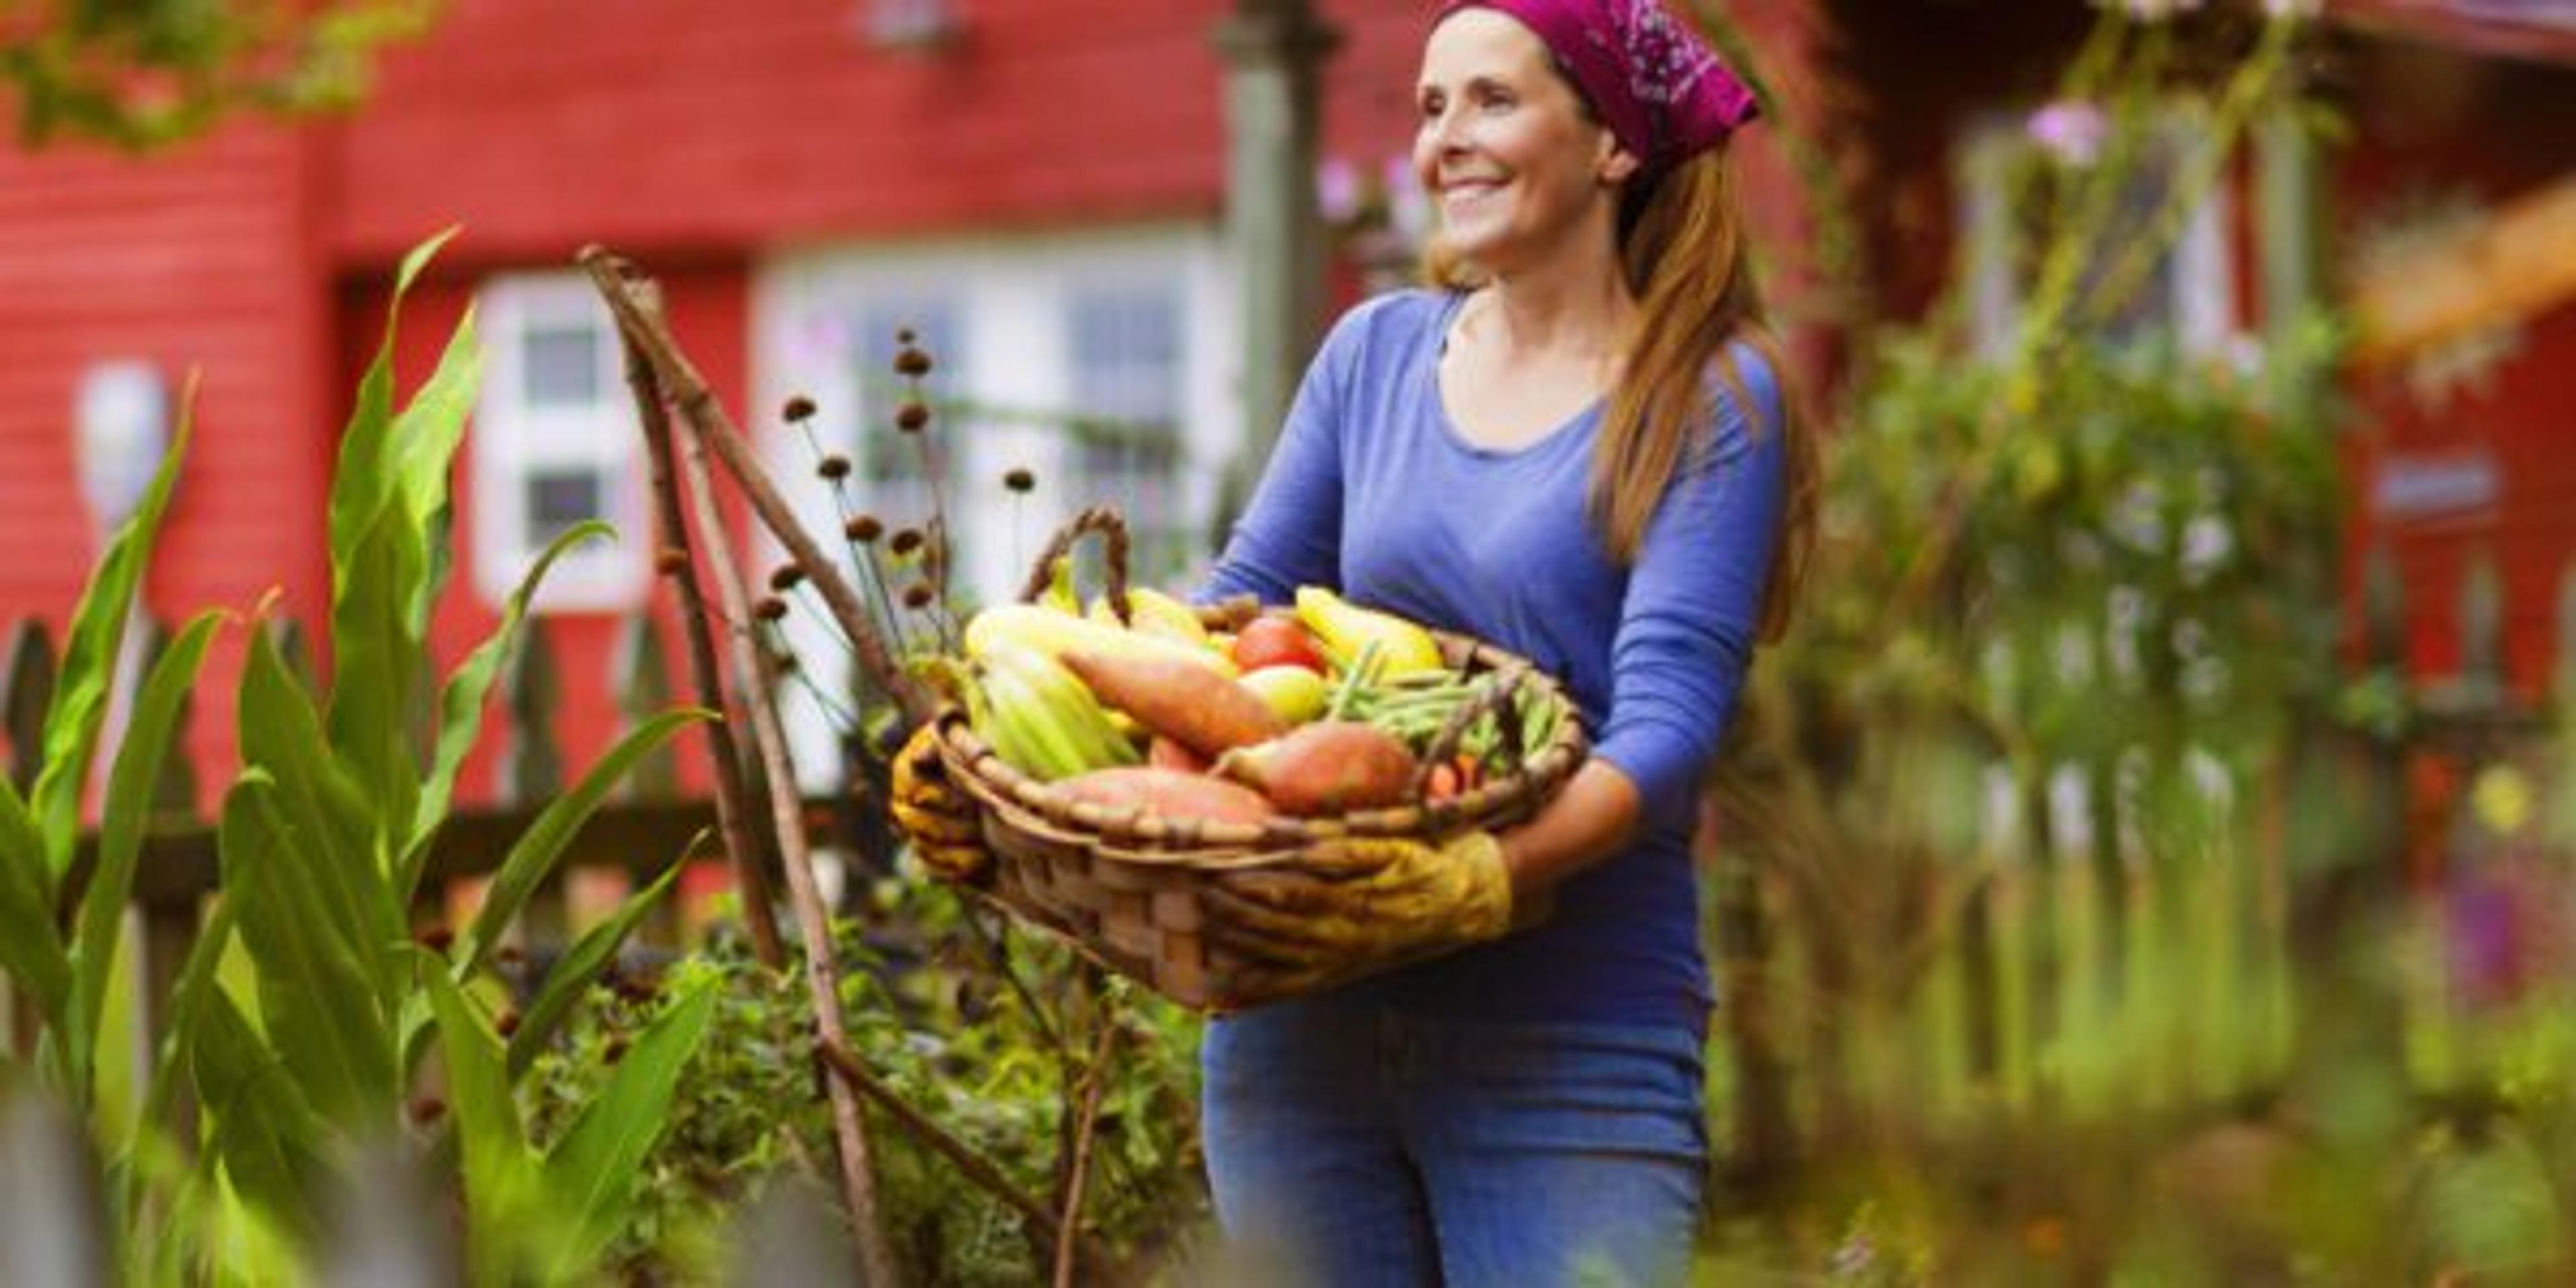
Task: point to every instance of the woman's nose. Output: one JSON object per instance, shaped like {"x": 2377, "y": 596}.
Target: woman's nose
{"x": 1444, "y": 133}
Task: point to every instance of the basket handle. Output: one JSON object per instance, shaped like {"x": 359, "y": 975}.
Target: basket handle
{"x": 1100, "y": 519}
{"x": 1499, "y": 699}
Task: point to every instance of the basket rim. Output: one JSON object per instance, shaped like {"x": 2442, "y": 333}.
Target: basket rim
{"x": 1024, "y": 804}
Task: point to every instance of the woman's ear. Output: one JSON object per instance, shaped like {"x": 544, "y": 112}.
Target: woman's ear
{"x": 1619, "y": 164}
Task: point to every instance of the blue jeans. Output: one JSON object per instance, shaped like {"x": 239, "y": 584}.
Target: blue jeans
{"x": 1366, "y": 1147}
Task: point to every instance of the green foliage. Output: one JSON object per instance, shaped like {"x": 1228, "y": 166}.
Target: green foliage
{"x": 65, "y": 976}
{"x": 144, "y": 73}
{"x": 2036, "y": 797}
{"x": 930, "y": 1016}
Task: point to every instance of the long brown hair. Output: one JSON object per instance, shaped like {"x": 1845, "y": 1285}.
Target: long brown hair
{"x": 1682, "y": 250}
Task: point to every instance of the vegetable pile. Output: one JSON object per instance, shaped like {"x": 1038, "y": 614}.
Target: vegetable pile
{"x": 1324, "y": 710}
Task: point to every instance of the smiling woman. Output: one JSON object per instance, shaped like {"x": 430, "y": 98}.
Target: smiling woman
{"x": 1575, "y": 445}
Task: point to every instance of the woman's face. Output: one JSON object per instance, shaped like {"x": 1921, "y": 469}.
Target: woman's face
{"x": 1516, "y": 165}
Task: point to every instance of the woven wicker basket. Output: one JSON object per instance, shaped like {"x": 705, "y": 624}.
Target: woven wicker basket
{"x": 1124, "y": 888}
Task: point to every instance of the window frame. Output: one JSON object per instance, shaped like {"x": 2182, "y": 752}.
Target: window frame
{"x": 515, "y": 438}
{"x": 2200, "y": 311}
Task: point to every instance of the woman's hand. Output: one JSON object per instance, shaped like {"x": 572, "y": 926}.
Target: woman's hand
{"x": 933, "y": 815}
{"x": 1381, "y": 899}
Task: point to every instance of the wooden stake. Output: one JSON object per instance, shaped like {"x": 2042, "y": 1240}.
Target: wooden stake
{"x": 822, "y": 976}
{"x": 734, "y": 817}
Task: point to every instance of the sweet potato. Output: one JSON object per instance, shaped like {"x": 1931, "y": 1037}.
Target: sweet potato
{"x": 1163, "y": 753}
{"x": 1329, "y": 767}
{"x": 1168, "y": 792}
{"x": 1191, "y": 705}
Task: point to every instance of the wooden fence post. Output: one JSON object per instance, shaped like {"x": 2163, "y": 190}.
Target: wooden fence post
{"x": 641, "y": 670}
{"x": 2562, "y": 674}
{"x": 169, "y": 929}
{"x": 640, "y": 675}
{"x": 296, "y": 652}
{"x": 529, "y": 768}
{"x": 26, "y": 690}
{"x": 2482, "y": 669}
{"x": 530, "y": 763}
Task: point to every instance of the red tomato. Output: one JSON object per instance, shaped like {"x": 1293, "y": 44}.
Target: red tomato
{"x": 1277, "y": 641}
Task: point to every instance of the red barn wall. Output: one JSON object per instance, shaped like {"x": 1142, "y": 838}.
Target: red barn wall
{"x": 675, "y": 123}
{"x": 197, "y": 260}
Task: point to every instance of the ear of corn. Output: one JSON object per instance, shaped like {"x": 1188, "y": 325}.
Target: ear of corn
{"x": 1040, "y": 719}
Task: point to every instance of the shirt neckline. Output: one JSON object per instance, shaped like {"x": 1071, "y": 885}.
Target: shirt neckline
{"x": 1452, "y": 302}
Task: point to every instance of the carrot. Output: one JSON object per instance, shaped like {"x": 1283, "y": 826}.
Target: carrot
{"x": 1444, "y": 782}
{"x": 1164, "y": 753}
{"x": 1329, "y": 767}
{"x": 1168, "y": 792}
{"x": 1191, "y": 705}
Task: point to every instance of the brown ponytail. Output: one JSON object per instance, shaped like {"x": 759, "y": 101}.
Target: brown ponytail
{"x": 1682, "y": 248}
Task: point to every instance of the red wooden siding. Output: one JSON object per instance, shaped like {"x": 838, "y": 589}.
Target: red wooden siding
{"x": 2431, "y": 124}
{"x": 672, "y": 122}
{"x": 199, "y": 260}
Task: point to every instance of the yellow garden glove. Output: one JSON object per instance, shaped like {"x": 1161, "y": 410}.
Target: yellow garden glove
{"x": 933, "y": 815}
{"x": 1381, "y": 900}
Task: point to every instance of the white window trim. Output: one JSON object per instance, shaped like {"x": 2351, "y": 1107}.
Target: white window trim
{"x": 2203, "y": 304}
{"x": 511, "y": 438}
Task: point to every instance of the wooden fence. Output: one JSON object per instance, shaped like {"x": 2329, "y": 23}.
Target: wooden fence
{"x": 1905, "y": 999}
{"x": 628, "y": 841}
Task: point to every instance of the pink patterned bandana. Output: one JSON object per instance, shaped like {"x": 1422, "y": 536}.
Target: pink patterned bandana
{"x": 1655, "y": 83}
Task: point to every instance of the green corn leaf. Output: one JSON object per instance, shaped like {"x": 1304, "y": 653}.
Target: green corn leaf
{"x": 425, "y": 438}
{"x": 460, "y": 718}
{"x": 281, "y": 734}
{"x": 131, "y": 784}
{"x": 318, "y": 1003}
{"x": 31, "y": 949}
{"x": 543, "y": 843}
{"x": 380, "y": 615}
{"x": 500, "y": 1169}
{"x": 359, "y": 488}
{"x": 591, "y": 1170}
{"x": 261, "y": 1129}
{"x": 90, "y": 654}
{"x": 381, "y": 552}
{"x": 575, "y": 970}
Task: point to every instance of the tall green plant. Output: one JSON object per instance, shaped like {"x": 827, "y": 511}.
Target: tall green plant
{"x": 314, "y": 1041}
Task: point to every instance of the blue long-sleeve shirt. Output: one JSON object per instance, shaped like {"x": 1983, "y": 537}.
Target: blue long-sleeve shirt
{"x": 1374, "y": 492}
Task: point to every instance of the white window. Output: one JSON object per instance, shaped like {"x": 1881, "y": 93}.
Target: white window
{"x": 900, "y": 23}
{"x": 2015, "y": 173}
{"x": 1125, "y": 381}
{"x": 555, "y": 444}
